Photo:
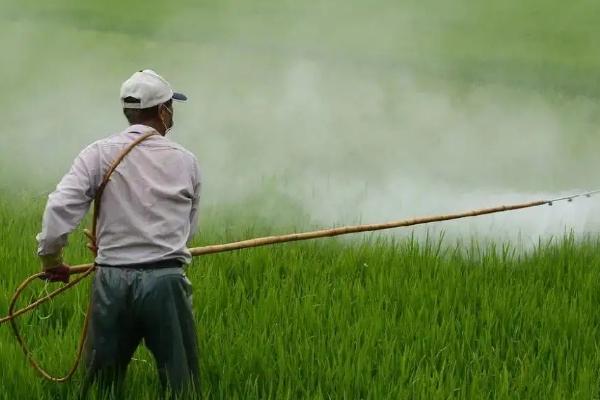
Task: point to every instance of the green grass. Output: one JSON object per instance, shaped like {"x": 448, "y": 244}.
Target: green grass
{"x": 366, "y": 318}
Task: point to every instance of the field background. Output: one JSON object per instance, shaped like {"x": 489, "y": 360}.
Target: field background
{"x": 310, "y": 115}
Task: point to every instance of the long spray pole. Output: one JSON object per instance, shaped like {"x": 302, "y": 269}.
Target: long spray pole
{"x": 345, "y": 230}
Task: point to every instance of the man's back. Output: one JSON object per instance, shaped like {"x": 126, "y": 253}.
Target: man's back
{"x": 149, "y": 208}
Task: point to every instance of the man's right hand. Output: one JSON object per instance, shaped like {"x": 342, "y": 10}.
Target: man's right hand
{"x": 91, "y": 245}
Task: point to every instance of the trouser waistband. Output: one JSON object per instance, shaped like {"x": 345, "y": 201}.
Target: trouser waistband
{"x": 151, "y": 265}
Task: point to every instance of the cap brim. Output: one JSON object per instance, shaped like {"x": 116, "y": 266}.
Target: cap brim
{"x": 179, "y": 96}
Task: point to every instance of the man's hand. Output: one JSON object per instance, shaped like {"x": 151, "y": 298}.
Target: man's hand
{"x": 54, "y": 267}
{"x": 91, "y": 245}
{"x": 57, "y": 274}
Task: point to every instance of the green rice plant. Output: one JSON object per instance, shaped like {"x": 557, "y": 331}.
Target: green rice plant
{"x": 370, "y": 317}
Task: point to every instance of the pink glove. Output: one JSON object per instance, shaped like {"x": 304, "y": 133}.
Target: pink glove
{"x": 57, "y": 274}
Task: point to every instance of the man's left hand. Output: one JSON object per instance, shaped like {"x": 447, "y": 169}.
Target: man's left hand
{"x": 57, "y": 274}
{"x": 54, "y": 268}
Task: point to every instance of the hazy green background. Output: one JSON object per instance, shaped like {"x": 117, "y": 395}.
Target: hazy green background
{"x": 350, "y": 110}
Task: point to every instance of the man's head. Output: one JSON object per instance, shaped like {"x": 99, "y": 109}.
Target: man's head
{"x": 159, "y": 117}
{"x": 147, "y": 98}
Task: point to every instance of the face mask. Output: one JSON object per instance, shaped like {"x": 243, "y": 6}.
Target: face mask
{"x": 167, "y": 129}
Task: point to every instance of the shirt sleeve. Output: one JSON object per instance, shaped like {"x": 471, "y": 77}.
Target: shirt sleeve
{"x": 195, "y": 201}
{"x": 66, "y": 207}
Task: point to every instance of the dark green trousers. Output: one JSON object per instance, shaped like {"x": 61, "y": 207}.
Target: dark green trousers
{"x": 130, "y": 305}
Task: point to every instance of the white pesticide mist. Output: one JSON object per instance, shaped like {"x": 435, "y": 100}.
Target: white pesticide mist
{"x": 371, "y": 152}
{"x": 357, "y": 127}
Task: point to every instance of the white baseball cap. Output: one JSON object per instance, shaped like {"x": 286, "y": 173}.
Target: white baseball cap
{"x": 147, "y": 89}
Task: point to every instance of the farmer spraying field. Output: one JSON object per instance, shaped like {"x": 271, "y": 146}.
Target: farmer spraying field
{"x": 148, "y": 214}
{"x": 129, "y": 300}
{"x": 145, "y": 190}
{"x": 315, "y": 119}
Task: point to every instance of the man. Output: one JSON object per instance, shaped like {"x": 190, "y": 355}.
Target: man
{"x": 148, "y": 214}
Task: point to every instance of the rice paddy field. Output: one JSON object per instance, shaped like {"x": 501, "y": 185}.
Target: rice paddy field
{"x": 308, "y": 115}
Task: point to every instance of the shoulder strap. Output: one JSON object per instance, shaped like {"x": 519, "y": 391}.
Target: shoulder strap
{"x": 105, "y": 180}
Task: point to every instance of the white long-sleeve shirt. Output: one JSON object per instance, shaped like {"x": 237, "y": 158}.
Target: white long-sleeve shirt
{"x": 149, "y": 208}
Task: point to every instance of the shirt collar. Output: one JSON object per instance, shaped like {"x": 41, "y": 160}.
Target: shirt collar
{"x": 141, "y": 129}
